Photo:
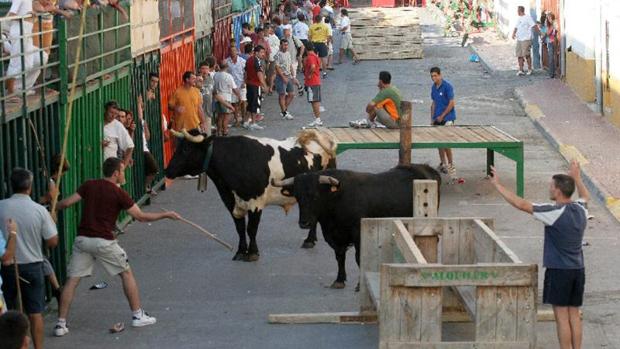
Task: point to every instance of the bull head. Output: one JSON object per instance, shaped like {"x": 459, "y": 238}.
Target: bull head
{"x": 185, "y": 135}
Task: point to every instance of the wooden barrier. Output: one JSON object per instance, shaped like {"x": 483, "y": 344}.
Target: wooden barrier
{"x": 416, "y": 273}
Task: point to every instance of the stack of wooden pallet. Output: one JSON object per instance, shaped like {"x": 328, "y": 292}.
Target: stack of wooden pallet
{"x": 386, "y": 33}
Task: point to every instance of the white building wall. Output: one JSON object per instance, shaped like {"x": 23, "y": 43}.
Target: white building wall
{"x": 581, "y": 21}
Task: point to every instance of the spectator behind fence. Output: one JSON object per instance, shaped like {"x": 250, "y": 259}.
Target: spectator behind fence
{"x": 115, "y": 136}
{"x": 14, "y": 331}
{"x": 206, "y": 70}
{"x": 186, "y": 106}
{"x": 35, "y": 226}
{"x": 150, "y": 165}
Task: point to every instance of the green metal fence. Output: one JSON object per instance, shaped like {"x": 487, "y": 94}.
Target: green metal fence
{"x": 202, "y": 48}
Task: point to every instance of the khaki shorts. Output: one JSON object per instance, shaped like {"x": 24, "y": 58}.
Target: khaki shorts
{"x": 523, "y": 48}
{"x": 347, "y": 41}
{"x": 87, "y": 250}
{"x": 385, "y": 118}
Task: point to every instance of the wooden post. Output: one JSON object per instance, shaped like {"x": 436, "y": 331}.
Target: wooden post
{"x": 404, "y": 154}
{"x": 425, "y": 202}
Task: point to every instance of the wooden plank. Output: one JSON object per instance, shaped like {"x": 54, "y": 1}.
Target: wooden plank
{"x": 400, "y": 316}
{"x": 342, "y": 136}
{"x": 406, "y": 245}
{"x": 435, "y": 275}
{"x": 429, "y": 247}
{"x": 486, "y": 313}
{"x": 376, "y": 247}
{"x": 455, "y": 345}
{"x": 467, "y": 253}
{"x": 425, "y": 198}
{"x": 372, "y": 283}
{"x": 527, "y": 313}
{"x": 431, "y": 317}
{"x": 501, "y": 251}
{"x": 507, "y": 302}
{"x": 381, "y": 134}
{"x": 450, "y": 242}
{"x": 323, "y": 318}
{"x": 467, "y": 297}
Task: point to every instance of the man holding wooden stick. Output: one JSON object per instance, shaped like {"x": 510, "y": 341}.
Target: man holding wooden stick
{"x": 565, "y": 223}
{"x": 103, "y": 202}
{"x": 35, "y": 226}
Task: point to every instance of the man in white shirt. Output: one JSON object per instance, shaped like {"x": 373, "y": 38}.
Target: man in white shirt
{"x": 346, "y": 41}
{"x": 236, "y": 68}
{"x": 116, "y": 139}
{"x": 523, "y": 34}
{"x": 274, "y": 45}
{"x": 225, "y": 88}
{"x": 300, "y": 29}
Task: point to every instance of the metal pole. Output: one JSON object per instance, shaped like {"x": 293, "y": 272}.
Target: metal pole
{"x": 598, "y": 56}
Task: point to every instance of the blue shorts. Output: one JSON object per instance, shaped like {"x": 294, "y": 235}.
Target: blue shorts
{"x": 33, "y": 292}
{"x": 282, "y": 89}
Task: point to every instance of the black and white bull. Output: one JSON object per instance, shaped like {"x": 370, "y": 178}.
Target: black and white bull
{"x": 243, "y": 167}
{"x": 339, "y": 199}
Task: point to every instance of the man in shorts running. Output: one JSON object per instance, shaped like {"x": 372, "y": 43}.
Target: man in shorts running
{"x": 443, "y": 114}
{"x": 103, "y": 200}
{"x": 565, "y": 223}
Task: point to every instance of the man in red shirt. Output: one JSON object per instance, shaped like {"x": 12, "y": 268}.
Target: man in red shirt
{"x": 103, "y": 202}
{"x": 312, "y": 80}
{"x": 254, "y": 80}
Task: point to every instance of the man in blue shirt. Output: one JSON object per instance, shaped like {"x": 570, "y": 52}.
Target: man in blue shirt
{"x": 7, "y": 253}
{"x": 565, "y": 223}
{"x": 443, "y": 114}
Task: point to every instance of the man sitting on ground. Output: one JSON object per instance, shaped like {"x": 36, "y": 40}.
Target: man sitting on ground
{"x": 385, "y": 107}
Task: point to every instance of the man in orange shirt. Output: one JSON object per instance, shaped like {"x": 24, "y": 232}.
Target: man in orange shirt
{"x": 186, "y": 106}
{"x": 385, "y": 107}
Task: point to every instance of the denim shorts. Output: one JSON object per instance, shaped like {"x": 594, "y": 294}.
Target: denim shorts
{"x": 32, "y": 289}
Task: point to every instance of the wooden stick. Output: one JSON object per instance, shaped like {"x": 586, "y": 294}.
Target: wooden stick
{"x": 19, "y": 288}
{"x": 203, "y": 230}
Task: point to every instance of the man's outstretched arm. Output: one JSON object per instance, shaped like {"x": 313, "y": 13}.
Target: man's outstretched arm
{"x": 509, "y": 196}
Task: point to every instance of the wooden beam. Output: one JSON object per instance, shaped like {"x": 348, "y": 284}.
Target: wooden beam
{"x": 406, "y": 245}
{"x": 323, "y": 318}
{"x": 372, "y": 285}
{"x": 489, "y": 248}
{"x": 404, "y": 154}
{"x": 434, "y": 275}
{"x": 425, "y": 198}
{"x": 467, "y": 296}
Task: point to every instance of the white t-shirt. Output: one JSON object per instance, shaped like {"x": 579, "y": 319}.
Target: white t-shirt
{"x": 524, "y": 28}
{"x": 145, "y": 145}
{"x": 345, "y": 22}
{"x": 21, "y": 7}
{"x": 118, "y": 139}
{"x": 300, "y": 31}
{"x": 236, "y": 69}
{"x": 224, "y": 85}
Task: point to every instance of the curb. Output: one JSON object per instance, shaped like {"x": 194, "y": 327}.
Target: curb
{"x": 484, "y": 64}
{"x": 535, "y": 114}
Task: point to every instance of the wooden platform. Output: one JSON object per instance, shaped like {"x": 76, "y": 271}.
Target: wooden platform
{"x": 386, "y": 33}
{"x": 13, "y": 109}
{"x": 425, "y": 137}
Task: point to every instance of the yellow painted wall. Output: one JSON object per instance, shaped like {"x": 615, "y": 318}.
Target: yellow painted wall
{"x": 580, "y": 75}
{"x": 611, "y": 98}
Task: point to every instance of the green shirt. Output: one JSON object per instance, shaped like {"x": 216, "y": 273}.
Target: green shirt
{"x": 389, "y": 98}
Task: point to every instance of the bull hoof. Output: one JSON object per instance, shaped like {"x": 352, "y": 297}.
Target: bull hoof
{"x": 337, "y": 285}
{"x": 252, "y": 257}
{"x": 308, "y": 244}
{"x": 240, "y": 256}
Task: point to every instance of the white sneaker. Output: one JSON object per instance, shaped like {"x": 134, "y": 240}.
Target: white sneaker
{"x": 142, "y": 321}
{"x": 315, "y": 123}
{"x": 529, "y": 72}
{"x": 451, "y": 171}
{"x": 60, "y": 330}
{"x": 255, "y": 127}
{"x": 246, "y": 125}
{"x": 520, "y": 73}
{"x": 287, "y": 116}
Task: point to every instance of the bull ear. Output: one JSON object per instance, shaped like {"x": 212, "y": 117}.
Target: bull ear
{"x": 286, "y": 192}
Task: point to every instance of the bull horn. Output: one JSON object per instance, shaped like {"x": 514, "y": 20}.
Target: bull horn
{"x": 328, "y": 180}
{"x": 176, "y": 133}
{"x": 193, "y": 139}
{"x": 282, "y": 183}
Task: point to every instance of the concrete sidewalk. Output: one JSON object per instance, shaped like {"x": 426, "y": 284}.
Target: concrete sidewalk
{"x": 566, "y": 122}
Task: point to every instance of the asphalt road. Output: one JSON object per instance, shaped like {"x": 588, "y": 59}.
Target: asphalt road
{"x": 203, "y": 299}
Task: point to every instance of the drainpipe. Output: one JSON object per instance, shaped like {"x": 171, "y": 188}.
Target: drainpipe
{"x": 598, "y": 56}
